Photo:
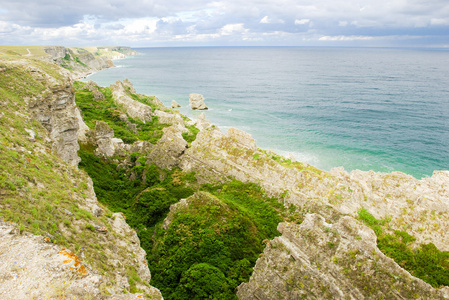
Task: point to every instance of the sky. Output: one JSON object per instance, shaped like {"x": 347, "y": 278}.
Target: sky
{"x": 177, "y": 23}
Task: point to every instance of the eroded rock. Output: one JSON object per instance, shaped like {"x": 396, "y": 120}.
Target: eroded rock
{"x": 175, "y": 104}
{"x": 197, "y": 102}
{"x": 133, "y": 108}
{"x": 331, "y": 261}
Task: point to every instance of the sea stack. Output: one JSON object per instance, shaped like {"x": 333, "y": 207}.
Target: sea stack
{"x": 197, "y": 102}
{"x": 174, "y": 104}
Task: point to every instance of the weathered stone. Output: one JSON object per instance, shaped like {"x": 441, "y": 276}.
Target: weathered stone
{"x": 55, "y": 109}
{"x": 330, "y": 261}
{"x": 168, "y": 150}
{"x": 175, "y": 104}
{"x": 173, "y": 119}
{"x": 83, "y": 128}
{"x": 103, "y": 139}
{"x": 197, "y": 102}
{"x": 134, "y": 108}
{"x": 203, "y": 123}
{"x": 80, "y": 61}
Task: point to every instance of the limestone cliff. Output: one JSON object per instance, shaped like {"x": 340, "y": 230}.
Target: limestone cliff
{"x": 56, "y": 240}
{"x": 330, "y": 252}
{"x": 338, "y": 260}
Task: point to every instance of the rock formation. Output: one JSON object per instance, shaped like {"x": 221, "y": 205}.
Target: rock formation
{"x": 80, "y": 61}
{"x": 175, "y": 104}
{"x": 55, "y": 109}
{"x": 103, "y": 135}
{"x": 197, "y": 102}
{"x": 135, "y": 109}
{"x": 168, "y": 150}
{"x": 331, "y": 261}
{"x": 39, "y": 129}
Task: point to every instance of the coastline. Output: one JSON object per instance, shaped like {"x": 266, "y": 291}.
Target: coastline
{"x": 159, "y": 167}
{"x": 307, "y": 143}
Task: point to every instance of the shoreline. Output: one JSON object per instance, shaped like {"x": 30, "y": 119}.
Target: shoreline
{"x": 323, "y": 158}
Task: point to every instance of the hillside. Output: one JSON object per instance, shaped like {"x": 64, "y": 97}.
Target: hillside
{"x": 56, "y": 239}
{"x": 208, "y": 207}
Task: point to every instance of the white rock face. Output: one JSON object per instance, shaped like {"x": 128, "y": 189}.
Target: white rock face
{"x": 197, "y": 102}
{"x": 175, "y": 104}
{"x": 168, "y": 150}
{"x": 173, "y": 119}
{"x": 134, "y": 108}
{"x": 331, "y": 261}
{"x": 31, "y": 268}
{"x": 56, "y": 110}
{"x": 83, "y": 128}
{"x": 103, "y": 139}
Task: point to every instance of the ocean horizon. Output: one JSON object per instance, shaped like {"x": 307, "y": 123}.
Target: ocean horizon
{"x": 380, "y": 109}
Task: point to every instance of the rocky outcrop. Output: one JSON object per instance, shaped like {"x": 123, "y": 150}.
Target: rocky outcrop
{"x": 197, "y": 102}
{"x": 135, "y": 109}
{"x": 175, "y": 104}
{"x": 214, "y": 156}
{"x": 103, "y": 135}
{"x": 171, "y": 118}
{"x": 331, "y": 261}
{"x": 55, "y": 109}
{"x": 31, "y": 267}
{"x": 93, "y": 88}
{"x": 168, "y": 151}
{"x": 103, "y": 251}
{"x": 120, "y": 226}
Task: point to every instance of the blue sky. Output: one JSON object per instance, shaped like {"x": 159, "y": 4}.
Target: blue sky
{"x": 150, "y": 23}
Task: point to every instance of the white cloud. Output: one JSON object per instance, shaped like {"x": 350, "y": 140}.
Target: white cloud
{"x": 345, "y": 38}
{"x": 147, "y": 22}
{"x": 265, "y": 20}
{"x": 439, "y": 21}
{"x": 140, "y": 26}
{"x": 231, "y": 29}
{"x": 302, "y": 21}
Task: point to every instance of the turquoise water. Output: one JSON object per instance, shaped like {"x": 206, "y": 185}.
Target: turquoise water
{"x": 364, "y": 108}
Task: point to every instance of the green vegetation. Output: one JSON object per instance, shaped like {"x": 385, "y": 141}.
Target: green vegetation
{"x": 191, "y": 136}
{"x": 107, "y": 111}
{"x": 425, "y": 262}
{"x": 222, "y": 231}
{"x": 211, "y": 245}
{"x": 40, "y": 192}
{"x": 219, "y": 233}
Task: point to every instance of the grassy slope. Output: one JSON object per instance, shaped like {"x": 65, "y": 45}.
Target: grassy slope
{"x": 39, "y": 191}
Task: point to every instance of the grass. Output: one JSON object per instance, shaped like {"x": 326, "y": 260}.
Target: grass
{"x": 424, "y": 261}
{"x": 109, "y": 112}
{"x": 40, "y": 192}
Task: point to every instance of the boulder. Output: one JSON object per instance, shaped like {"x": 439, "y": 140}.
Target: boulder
{"x": 135, "y": 109}
{"x": 167, "y": 152}
{"x": 175, "y": 104}
{"x": 197, "y": 102}
{"x": 103, "y": 135}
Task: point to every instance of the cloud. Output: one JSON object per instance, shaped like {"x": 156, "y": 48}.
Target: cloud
{"x": 286, "y": 22}
{"x": 231, "y": 29}
{"x": 345, "y": 38}
{"x": 302, "y": 21}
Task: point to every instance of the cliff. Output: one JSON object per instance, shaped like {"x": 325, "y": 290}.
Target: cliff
{"x": 56, "y": 240}
{"x": 207, "y": 206}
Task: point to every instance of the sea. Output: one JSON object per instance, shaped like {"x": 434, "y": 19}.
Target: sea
{"x": 380, "y": 109}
